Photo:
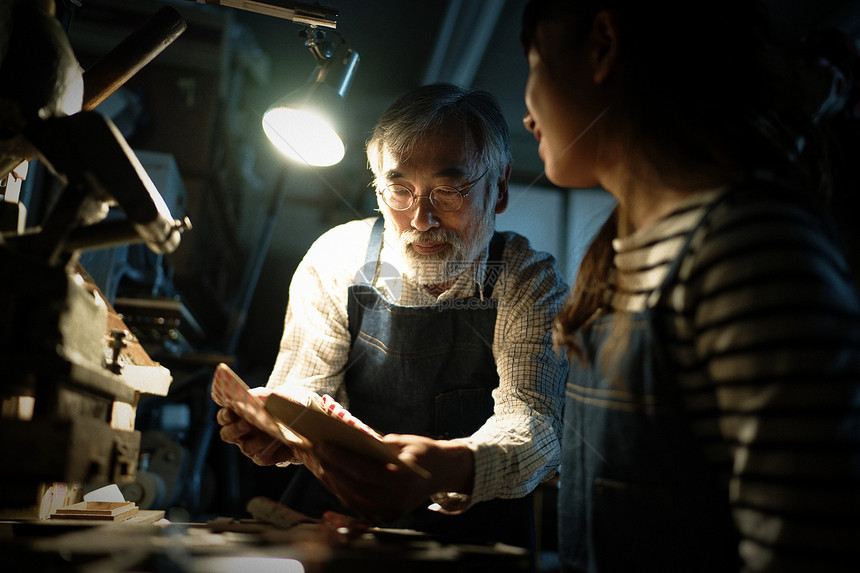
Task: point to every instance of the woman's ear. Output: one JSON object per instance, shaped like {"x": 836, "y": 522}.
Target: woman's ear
{"x": 605, "y": 45}
{"x": 502, "y": 188}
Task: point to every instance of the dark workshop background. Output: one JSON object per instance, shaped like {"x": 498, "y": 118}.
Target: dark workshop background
{"x": 193, "y": 115}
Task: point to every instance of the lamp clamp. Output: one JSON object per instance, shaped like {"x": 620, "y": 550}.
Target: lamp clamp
{"x": 316, "y": 42}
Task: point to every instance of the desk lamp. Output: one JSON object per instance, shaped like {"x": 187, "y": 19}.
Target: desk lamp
{"x": 306, "y": 125}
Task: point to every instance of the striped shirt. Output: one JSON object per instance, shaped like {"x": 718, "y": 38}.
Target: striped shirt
{"x": 519, "y": 446}
{"x": 763, "y": 329}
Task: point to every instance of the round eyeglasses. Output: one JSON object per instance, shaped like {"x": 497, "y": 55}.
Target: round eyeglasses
{"x": 444, "y": 197}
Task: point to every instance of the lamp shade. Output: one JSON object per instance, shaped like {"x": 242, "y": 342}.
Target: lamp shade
{"x": 308, "y": 124}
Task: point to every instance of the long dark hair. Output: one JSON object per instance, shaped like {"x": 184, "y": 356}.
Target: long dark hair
{"x": 705, "y": 85}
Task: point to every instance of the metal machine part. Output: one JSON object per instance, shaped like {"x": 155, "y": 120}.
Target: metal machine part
{"x": 162, "y": 461}
{"x": 40, "y": 75}
{"x": 83, "y": 148}
{"x": 102, "y": 172}
{"x": 68, "y": 388}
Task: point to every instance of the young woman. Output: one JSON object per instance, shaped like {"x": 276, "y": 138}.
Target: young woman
{"x": 711, "y": 416}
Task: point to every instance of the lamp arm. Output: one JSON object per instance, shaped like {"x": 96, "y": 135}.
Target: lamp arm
{"x": 308, "y": 13}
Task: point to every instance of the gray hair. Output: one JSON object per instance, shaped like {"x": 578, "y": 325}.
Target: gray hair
{"x": 437, "y": 109}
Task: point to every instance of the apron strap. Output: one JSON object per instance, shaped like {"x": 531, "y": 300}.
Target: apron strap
{"x": 671, "y": 274}
{"x": 493, "y": 267}
{"x": 374, "y": 247}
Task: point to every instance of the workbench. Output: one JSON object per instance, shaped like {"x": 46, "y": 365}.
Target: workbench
{"x": 239, "y": 545}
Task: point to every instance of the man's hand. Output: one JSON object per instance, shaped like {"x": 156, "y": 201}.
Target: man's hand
{"x": 263, "y": 449}
{"x": 387, "y": 491}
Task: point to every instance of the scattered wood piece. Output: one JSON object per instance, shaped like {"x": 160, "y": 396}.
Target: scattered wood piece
{"x": 279, "y": 515}
{"x": 98, "y": 510}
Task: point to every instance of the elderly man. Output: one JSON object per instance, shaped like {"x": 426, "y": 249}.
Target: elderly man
{"x": 431, "y": 328}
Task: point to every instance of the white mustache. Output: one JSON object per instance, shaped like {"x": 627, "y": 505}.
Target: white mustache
{"x": 431, "y": 236}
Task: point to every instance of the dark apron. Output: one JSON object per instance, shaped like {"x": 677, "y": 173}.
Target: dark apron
{"x": 636, "y": 493}
{"x": 428, "y": 371}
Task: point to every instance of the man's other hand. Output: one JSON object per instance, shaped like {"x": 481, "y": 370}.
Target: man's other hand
{"x": 262, "y": 448}
{"x": 388, "y": 491}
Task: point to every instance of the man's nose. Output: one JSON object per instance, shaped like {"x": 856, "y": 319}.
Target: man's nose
{"x": 529, "y": 121}
{"x": 424, "y": 214}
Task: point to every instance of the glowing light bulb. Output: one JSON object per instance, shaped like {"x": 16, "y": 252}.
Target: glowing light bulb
{"x": 304, "y": 136}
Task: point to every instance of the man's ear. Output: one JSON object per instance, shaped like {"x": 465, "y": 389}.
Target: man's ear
{"x": 502, "y": 189}
{"x": 604, "y": 32}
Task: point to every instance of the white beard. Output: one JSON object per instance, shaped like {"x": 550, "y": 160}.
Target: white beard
{"x": 446, "y": 265}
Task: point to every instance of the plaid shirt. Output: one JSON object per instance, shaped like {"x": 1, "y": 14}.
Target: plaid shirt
{"x": 517, "y": 447}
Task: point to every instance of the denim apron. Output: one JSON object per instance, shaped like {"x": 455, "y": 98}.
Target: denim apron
{"x": 428, "y": 371}
{"x": 635, "y": 491}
